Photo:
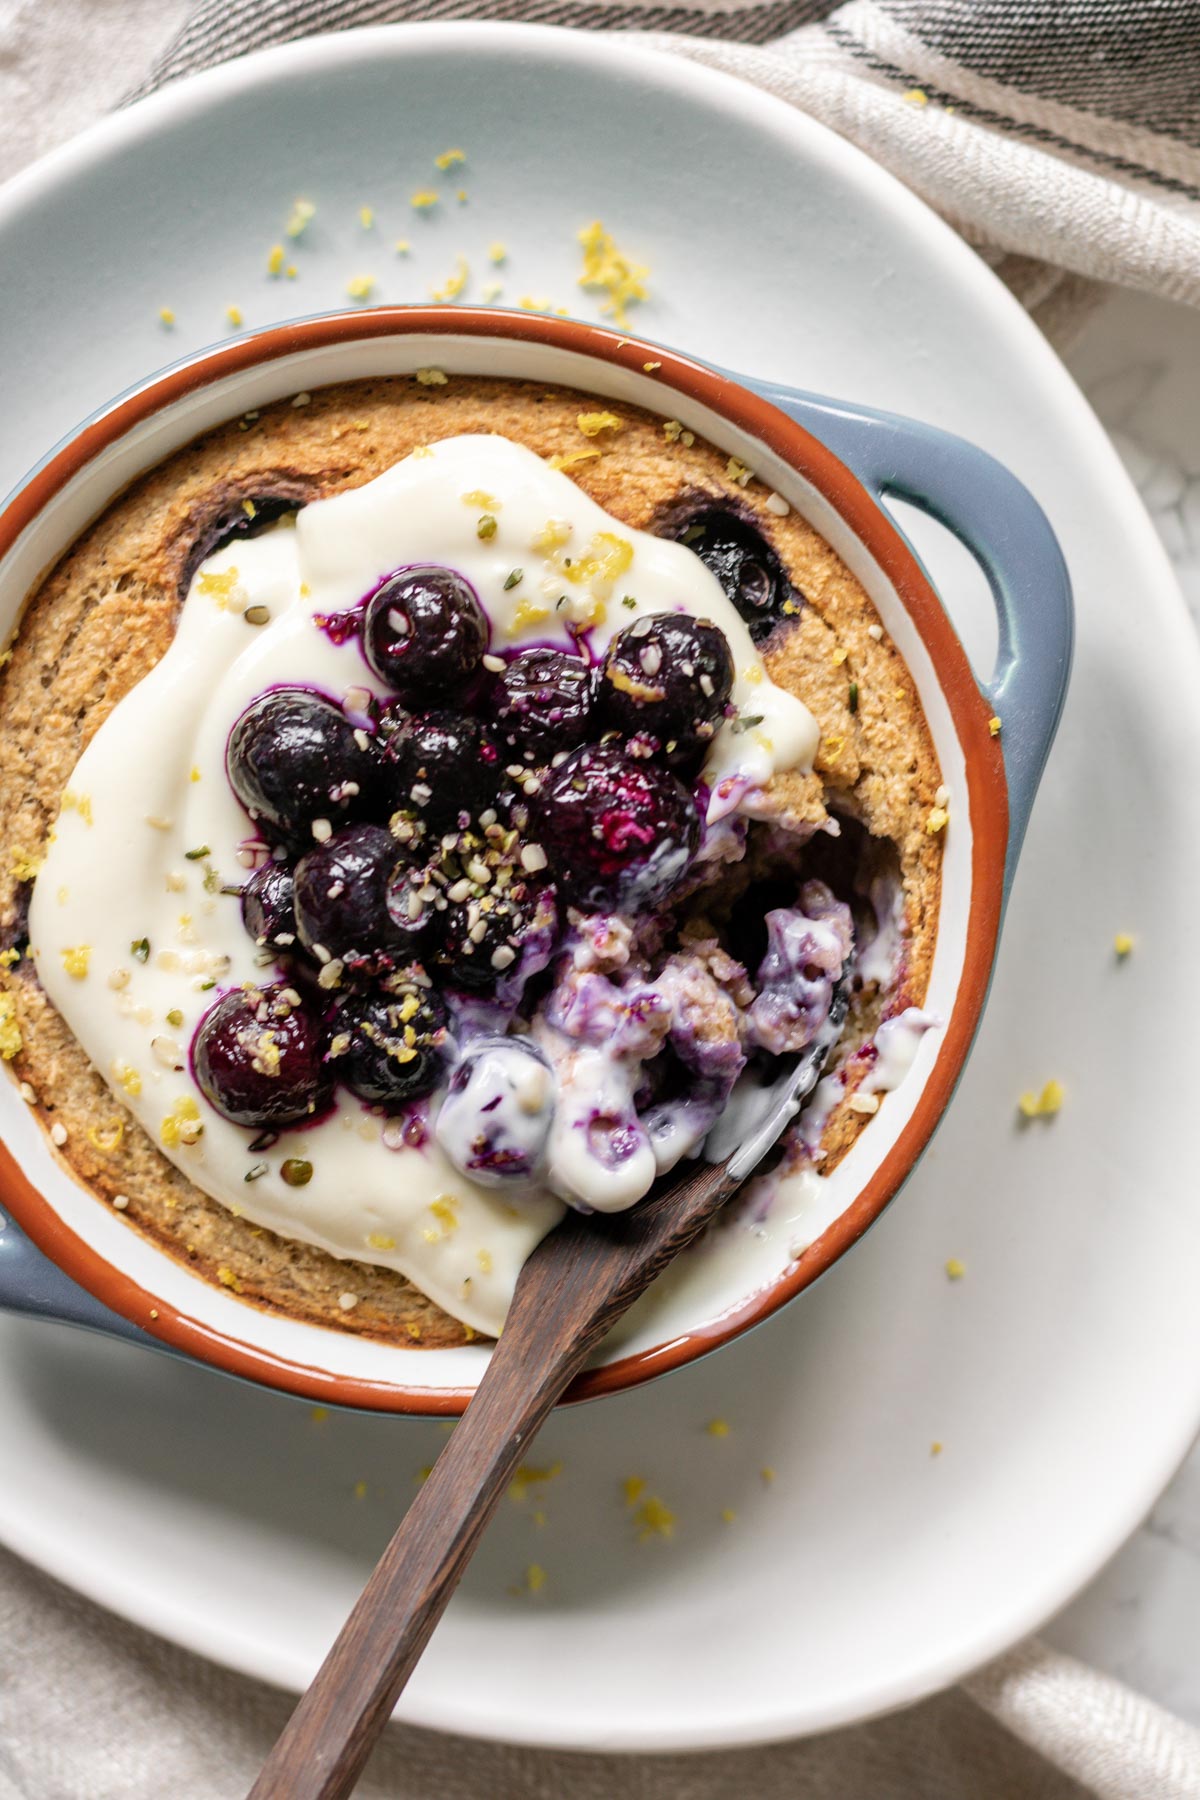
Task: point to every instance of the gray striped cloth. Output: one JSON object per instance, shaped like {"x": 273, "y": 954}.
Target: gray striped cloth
{"x": 1061, "y": 137}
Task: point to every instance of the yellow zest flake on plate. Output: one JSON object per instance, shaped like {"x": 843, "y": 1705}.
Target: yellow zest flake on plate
{"x": 994, "y": 725}
{"x": 276, "y": 257}
{"x": 1045, "y": 1104}
{"x": 182, "y": 1124}
{"x": 915, "y": 96}
{"x": 633, "y": 1487}
{"x": 528, "y": 1476}
{"x": 937, "y": 821}
{"x": 651, "y": 366}
{"x": 497, "y": 253}
{"x": 935, "y": 1449}
{"x": 10, "y": 1031}
{"x": 366, "y": 217}
{"x": 379, "y": 1240}
{"x": 1122, "y": 944}
{"x": 80, "y": 803}
{"x": 360, "y": 1490}
{"x": 593, "y": 423}
{"x": 753, "y": 673}
{"x": 766, "y": 1475}
{"x": 360, "y": 287}
{"x": 423, "y": 200}
{"x": 535, "y": 1578}
{"x": 609, "y": 271}
{"x": 653, "y": 1519}
{"x": 450, "y": 159}
{"x": 955, "y": 1270}
{"x": 75, "y": 960}
{"x": 454, "y": 284}
{"x": 728, "y": 1515}
{"x": 530, "y": 303}
{"x": 737, "y": 471}
{"x": 489, "y": 503}
{"x": 431, "y": 377}
{"x": 318, "y": 1414}
{"x": 167, "y": 316}
{"x": 106, "y": 1140}
{"x": 718, "y": 1428}
{"x": 674, "y": 433}
{"x": 228, "y": 1279}
{"x": 299, "y": 218}
{"x": 235, "y": 316}
{"x": 402, "y": 247}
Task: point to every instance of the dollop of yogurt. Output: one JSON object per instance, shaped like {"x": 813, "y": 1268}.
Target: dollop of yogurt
{"x": 135, "y": 933}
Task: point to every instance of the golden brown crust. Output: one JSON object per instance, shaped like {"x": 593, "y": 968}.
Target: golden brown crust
{"x": 107, "y": 612}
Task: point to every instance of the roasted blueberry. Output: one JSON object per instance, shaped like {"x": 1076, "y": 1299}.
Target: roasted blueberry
{"x": 424, "y": 632}
{"x": 389, "y": 1048}
{"x": 441, "y": 768}
{"x": 267, "y": 905}
{"x": 544, "y": 702}
{"x": 342, "y": 910}
{"x": 749, "y": 571}
{"x": 495, "y": 1119}
{"x": 294, "y": 758}
{"x": 483, "y": 936}
{"x": 258, "y": 1057}
{"x": 619, "y": 831}
{"x": 667, "y": 679}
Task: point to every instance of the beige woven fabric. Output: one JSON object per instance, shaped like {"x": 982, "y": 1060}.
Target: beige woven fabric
{"x": 93, "y": 1709}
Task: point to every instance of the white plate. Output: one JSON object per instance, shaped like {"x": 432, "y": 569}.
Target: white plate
{"x": 1062, "y": 1373}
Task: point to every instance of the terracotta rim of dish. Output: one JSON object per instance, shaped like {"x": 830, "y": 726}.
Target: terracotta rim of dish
{"x": 987, "y": 797}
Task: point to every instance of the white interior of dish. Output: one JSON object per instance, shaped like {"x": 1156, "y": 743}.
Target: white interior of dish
{"x": 712, "y": 1281}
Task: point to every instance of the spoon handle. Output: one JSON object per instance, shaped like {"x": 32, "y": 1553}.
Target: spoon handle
{"x": 575, "y": 1285}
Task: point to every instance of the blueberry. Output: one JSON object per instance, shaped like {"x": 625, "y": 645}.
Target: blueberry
{"x": 424, "y": 632}
{"x": 544, "y": 702}
{"x": 389, "y": 1048}
{"x": 484, "y": 937}
{"x": 619, "y": 831}
{"x": 258, "y": 1058}
{"x": 293, "y": 757}
{"x": 667, "y": 678}
{"x": 267, "y": 905}
{"x": 440, "y": 766}
{"x": 230, "y": 521}
{"x": 342, "y": 910}
{"x": 495, "y": 1119}
{"x": 750, "y": 573}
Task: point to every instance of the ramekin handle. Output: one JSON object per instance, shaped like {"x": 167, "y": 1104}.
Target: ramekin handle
{"x": 32, "y": 1285}
{"x": 998, "y": 520}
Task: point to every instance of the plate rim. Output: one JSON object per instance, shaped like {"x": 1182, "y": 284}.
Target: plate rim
{"x": 1064, "y": 399}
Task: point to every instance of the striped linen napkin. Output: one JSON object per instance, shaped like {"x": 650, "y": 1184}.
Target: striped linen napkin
{"x": 1062, "y": 137}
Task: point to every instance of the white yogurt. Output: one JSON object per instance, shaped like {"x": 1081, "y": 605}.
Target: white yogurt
{"x": 150, "y": 830}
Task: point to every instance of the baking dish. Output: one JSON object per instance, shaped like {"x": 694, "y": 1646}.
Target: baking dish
{"x": 64, "y": 1256}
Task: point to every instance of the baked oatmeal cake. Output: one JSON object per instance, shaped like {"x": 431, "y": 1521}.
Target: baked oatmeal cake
{"x": 479, "y": 781}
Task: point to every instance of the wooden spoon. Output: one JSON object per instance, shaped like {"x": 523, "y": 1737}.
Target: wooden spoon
{"x": 571, "y": 1291}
